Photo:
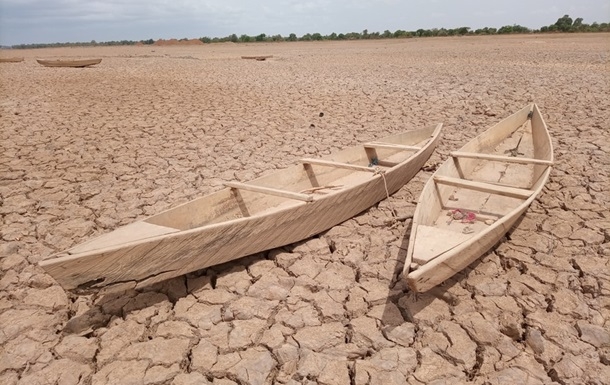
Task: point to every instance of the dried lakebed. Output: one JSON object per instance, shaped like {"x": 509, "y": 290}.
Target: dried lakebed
{"x": 84, "y": 151}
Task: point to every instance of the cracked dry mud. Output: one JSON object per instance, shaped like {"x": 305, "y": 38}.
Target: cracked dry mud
{"x": 84, "y": 151}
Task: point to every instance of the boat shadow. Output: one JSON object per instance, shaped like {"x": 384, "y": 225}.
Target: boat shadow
{"x": 103, "y": 308}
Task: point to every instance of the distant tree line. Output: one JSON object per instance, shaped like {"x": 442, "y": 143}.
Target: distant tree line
{"x": 563, "y": 24}
{"x": 77, "y": 44}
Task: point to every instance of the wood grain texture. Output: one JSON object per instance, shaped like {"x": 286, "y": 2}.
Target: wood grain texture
{"x": 223, "y": 226}
{"x": 477, "y": 184}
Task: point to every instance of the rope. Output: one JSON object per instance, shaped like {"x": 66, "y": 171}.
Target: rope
{"x": 379, "y": 171}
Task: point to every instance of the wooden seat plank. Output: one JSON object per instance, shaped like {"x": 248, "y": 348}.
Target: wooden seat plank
{"x": 270, "y": 191}
{"x": 391, "y": 146}
{"x": 500, "y": 158}
{"x": 433, "y": 241}
{"x": 484, "y": 187}
{"x": 328, "y": 163}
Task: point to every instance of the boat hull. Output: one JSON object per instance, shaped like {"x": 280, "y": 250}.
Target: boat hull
{"x": 141, "y": 263}
{"x": 69, "y": 63}
{"x": 431, "y": 261}
{"x": 11, "y": 60}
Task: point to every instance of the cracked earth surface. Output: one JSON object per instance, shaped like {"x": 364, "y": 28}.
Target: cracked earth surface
{"x": 84, "y": 151}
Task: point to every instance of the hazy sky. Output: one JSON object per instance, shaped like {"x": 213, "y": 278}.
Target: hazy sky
{"x": 48, "y": 21}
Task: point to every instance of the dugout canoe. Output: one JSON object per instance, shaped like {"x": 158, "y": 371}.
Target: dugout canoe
{"x": 476, "y": 196}
{"x": 69, "y": 63}
{"x": 258, "y": 58}
{"x": 245, "y": 218}
{"x": 11, "y": 60}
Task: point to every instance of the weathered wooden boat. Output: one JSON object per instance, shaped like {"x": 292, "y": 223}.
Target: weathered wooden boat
{"x": 69, "y": 63}
{"x": 245, "y": 218}
{"x": 11, "y": 60}
{"x": 475, "y": 197}
{"x": 258, "y": 58}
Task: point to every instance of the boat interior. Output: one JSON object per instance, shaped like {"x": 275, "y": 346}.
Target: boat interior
{"x": 305, "y": 182}
{"x": 296, "y": 185}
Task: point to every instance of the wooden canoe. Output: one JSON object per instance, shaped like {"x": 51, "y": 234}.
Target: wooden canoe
{"x": 258, "y": 58}
{"x": 245, "y": 218}
{"x": 475, "y": 197}
{"x": 11, "y": 60}
{"x": 69, "y": 63}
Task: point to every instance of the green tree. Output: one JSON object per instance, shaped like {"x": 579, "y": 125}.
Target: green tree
{"x": 505, "y": 29}
{"x": 292, "y": 37}
{"x": 485, "y": 31}
{"x": 463, "y": 30}
{"x": 564, "y": 24}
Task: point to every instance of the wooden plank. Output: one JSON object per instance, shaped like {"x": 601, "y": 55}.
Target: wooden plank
{"x": 328, "y": 163}
{"x": 391, "y": 146}
{"x": 500, "y": 158}
{"x": 484, "y": 187}
{"x": 434, "y": 241}
{"x": 270, "y": 191}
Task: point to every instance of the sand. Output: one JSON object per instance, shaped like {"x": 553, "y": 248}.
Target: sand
{"x": 83, "y": 151}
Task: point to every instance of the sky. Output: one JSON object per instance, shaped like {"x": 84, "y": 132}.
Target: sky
{"x": 50, "y": 21}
